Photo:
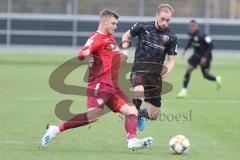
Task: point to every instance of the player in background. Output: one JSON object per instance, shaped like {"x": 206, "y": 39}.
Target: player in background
{"x": 155, "y": 42}
{"x": 202, "y": 55}
{"x": 103, "y": 89}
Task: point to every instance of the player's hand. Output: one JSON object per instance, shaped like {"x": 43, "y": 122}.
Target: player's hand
{"x": 203, "y": 61}
{"x": 165, "y": 73}
{"x": 83, "y": 54}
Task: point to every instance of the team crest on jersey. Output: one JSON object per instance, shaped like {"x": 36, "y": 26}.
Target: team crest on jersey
{"x": 195, "y": 38}
{"x": 165, "y": 38}
{"x": 110, "y": 47}
{"x": 113, "y": 46}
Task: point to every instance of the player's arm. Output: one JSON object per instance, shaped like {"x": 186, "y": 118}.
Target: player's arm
{"x": 187, "y": 47}
{"x": 208, "y": 41}
{"x": 171, "y": 53}
{"x": 126, "y": 41}
{"x": 127, "y": 36}
{"x": 88, "y": 49}
{"x": 169, "y": 66}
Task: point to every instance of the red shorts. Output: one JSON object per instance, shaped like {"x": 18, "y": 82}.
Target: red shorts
{"x": 100, "y": 94}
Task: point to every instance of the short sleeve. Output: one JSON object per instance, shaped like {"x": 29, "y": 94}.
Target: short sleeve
{"x": 136, "y": 29}
{"x": 172, "y": 49}
{"x": 89, "y": 48}
{"x": 91, "y": 45}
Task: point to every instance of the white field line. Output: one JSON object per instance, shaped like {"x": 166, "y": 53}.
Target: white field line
{"x": 18, "y": 142}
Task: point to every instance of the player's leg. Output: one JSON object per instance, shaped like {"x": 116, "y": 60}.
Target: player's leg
{"x": 120, "y": 103}
{"x": 186, "y": 78}
{"x": 77, "y": 120}
{"x": 95, "y": 110}
{"x": 130, "y": 112}
{"x": 137, "y": 80}
{"x": 137, "y": 83}
{"x": 139, "y": 94}
{"x": 83, "y": 119}
{"x": 95, "y": 102}
{"x": 193, "y": 61}
{"x": 152, "y": 92}
{"x": 205, "y": 68}
{"x": 152, "y": 110}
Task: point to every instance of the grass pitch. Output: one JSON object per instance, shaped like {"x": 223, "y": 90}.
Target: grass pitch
{"x": 212, "y": 118}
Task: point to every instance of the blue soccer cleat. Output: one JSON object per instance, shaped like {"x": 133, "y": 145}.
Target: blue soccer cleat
{"x": 141, "y": 123}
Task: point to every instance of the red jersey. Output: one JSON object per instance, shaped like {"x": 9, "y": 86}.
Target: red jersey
{"x": 105, "y": 58}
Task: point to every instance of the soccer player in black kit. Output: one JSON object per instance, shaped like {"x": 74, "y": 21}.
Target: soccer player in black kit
{"x": 155, "y": 41}
{"x": 202, "y": 55}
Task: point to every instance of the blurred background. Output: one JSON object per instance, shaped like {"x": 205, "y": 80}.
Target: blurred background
{"x": 183, "y": 8}
{"x": 67, "y": 23}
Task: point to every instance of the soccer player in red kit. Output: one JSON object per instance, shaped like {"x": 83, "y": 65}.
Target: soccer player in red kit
{"x": 105, "y": 60}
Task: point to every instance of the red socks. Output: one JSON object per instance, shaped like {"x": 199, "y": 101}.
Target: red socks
{"x": 82, "y": 119}
{"x": 131, "y": 125}
{"x": 76, "y": 121}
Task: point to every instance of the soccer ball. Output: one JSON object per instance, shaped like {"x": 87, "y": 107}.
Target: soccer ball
{"x": 179, "y": 144}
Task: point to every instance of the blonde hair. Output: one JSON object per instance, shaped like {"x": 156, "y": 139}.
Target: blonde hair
{"x": 165, "y": 7}
{"x": 108, "y": 13}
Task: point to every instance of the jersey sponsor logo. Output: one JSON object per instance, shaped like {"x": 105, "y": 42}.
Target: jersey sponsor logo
{"x": 153, "y": 45}
{"x": 165, "y": 38}
{"x": 195, "y": 44}
{"x": 147, "y": 32}
{"x": 106, "y": 39}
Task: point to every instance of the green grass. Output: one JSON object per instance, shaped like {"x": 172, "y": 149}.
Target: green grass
{"x": 27, "y": 105}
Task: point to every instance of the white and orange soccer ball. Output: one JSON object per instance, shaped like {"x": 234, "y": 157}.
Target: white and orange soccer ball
{"x": 179, "y": 144}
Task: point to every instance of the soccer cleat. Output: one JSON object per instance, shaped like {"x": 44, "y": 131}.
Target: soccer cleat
{"x": 51, "y": 133}
{"x": 219, "y": 82}
{"x": 141, "y": 123}
{"x": 182, "y": 94}
{"x": 135, "y": 144}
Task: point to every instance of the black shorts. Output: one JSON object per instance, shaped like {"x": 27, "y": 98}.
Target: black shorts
{"x": 195, "y": 59}
{"x": 152, "y": 83}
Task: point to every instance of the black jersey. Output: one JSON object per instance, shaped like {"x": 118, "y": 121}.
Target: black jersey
{"x": 201, "y": 43}
{"x": 152, "y": 47}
